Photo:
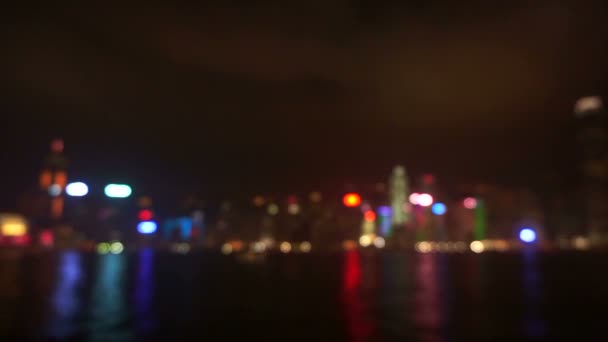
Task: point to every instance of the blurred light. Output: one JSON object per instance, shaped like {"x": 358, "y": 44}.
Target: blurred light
{"x": 181, "y": 247}
{"x": 293, "y": 208}
{"x": 423, "y": 247}
{"x": 470, "y": 203}
{"x": 425, "y": 200}
{"x": 117, "y": 190}
{"x": 428, "y": 179}
{"x": 145, "y": 215}
{"x": 379, "y": 242}
{"x": 61, "y": 178}
{"x": 477, "y": 246}
{"x": 414, "y": 198}
{"x": 116, "y": 247}
{"x": 305, "y": 247}
{"x": 527, "y": 235}
{"x": 273, "y": 209}
{"x": 385, "y": 211}
{"x": 54, "y": 190}
{"x": 144, "y": 202}
{"x": 14, "y": 228}
{"x": 351, "y": 200}
{"x": 103, "y": 248}
{"x": 258, "y": 247}
{"x": 315, "y": 197}
{"x": 588, "y": 104}
{"x": 365, "y": 207}
{"x": 56, "y": 207}
{"x": 258, "y": 201}
{"x": 147, "y": 227}
{"x": 365, "y": 240}
{"x": 77, "y": 189}
{"x": 581, "y": 242}
{"x": 370, "y": 216}
{"x": 46, "y": 238}
{"x": 237, "y": 245}
{"x": 349, "y": 245}
{"x": 45, "y": 179}
{"x": 57, "y": 145}
{"x": 226, "y": 248}
{"x": 460, "y": 246}
{"x": 442, "y": 247}
{"x": 501, "y": 245}
{"x": 285, "y": 247}
{"x": 439, "y": 209}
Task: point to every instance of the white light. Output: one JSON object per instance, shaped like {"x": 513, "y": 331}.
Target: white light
{"x": 117, "y": 190}
{"x": 414, "y": 198}
{"x": 379, "y": 242}
{"x": 147, "y": 227}
{"x": 258, "y": 247}
{"x": 285, "y": 247}
{"x": 55, "y": 190}
{"x": 305, "y": 247}
{"x": 587, "y": 104}
{"x": 77, "y": 189}
{"x": 365, "y": 240}
{"x": 425, "y": 200}
{"x": 226, "y": 248}
{"x": 477, "y": 246}
{"x": 116, "y": 247}
{"x": 293, "y": 208}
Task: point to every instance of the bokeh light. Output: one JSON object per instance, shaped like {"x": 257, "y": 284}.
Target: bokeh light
{"x": 103, "y": 248}
{"x": 365, "y": 240}
{"x": 258, "y": 201}
{"x": 527, "y": 235}
{"x": 293, "y": 208}
{"x": 147, "y": 227}
{"x": 315, "y": 197}
{"x": 423, "y": 247}
{"x": 305, "y": 247}
{"x": 425, "y": 200}
{"x": 470, "y": 203}
{"x": 285, "y": 247}
{"x": 273, "y": 209}
{"x": 145, "y": 215}
{"x": 54, "y": 190}
{"x": 439, "y": 209}
{"x": 117, "y": 190}
{"x": 77, "y": 189}
{"x": 414, "y": 198}
{"x": 370, "y": 216}
{"x": 226, "y": 248}
{"x": 351, "y": 200}
{"x": 379, "y": 242}
{"x": 116, "y": 247}
{"x": 477, "y": 246}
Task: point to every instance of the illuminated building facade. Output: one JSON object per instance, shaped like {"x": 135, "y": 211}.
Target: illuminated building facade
{"x": 53, "y": 180}
{"x": 398, "y": 196}
{"x": 592, "y": 136}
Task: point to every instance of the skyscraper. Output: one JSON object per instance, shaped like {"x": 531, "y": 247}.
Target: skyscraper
{"x": 398, "y": 196}
{"x": 592, "y": 136}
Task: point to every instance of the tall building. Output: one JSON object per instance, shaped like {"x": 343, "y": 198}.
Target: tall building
{"x": 592, "y": 136}
{"x": 53, "y": 180}
{"x": 398, "y": 196}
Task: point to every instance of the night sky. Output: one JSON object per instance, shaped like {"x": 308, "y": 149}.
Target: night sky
{"x": 241, "y": 96}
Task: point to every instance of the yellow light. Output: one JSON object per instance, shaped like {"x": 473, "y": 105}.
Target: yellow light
{"x": 501, "y": 245}
{"x": 226, "y": 248}
{"x": 103, "y": 248}
{"x": 273, "y": 209}
{"x": 365, "y": 240}
{"x": 423, "y": 247}
{"x": 477, "y": 246}
{"x": 116, "y": 247}
{"x": 14, "y": 229}
{"x": 305, "y": 247}
{"x": 285, "y": 247}
{"x": 581, "y": 243}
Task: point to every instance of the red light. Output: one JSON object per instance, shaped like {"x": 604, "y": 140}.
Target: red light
{"x": 470, "y": 203}
{"x": 428, "y": 179}
{"x": 46, "y": 238}
{"x": 145, "y": 215}
{"x": 351, "y": 200}
{"x": 370, "y": 216}
{"x": 292, "y": 199}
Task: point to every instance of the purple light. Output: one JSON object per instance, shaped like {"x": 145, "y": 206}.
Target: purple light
{"x": 385, "y": 211}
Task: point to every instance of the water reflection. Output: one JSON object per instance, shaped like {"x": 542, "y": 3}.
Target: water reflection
{"x": 65, "y": 301}
{"x": 428, "y": 305}
{"x": 144, "y": 291}
{"x": 533, "y": 323}
{"x": 108, "y": 310}
{"x": 358, "y": 322}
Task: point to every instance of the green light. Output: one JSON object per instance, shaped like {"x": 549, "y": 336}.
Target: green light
{"x": 116, "y": 247}
{"x": 103, "y": 248}
{"x": 481, "y": 225}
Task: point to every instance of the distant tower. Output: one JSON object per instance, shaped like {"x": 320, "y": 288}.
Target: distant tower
{"x": 592, "y": 134}
{"x": 398, "y": 196}
{"x": 53, "y": 179}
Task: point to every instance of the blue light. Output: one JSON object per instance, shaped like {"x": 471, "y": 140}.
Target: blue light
{"x": 439, "y": 209}
{"x": 147, "y": 227}
{"x": 385, "y": 211}
{"x": 527, "y": 235}
{"x": 117, "y": 190}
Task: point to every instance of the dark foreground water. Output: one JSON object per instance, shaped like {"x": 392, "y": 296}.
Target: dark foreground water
{"x": 342, "y": 297}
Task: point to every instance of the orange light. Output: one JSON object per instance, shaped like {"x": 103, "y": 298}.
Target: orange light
{"x": 351, "y": 200}
{"x": 145, "y": 215}
{"x": 45, "y": 179}
{"x": 61, "y": 178}
{"x": 56, "y": 207}
{"x": 370, "y": 216}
